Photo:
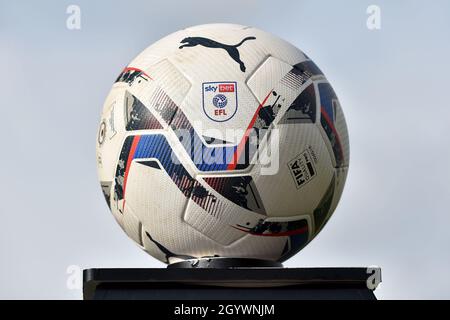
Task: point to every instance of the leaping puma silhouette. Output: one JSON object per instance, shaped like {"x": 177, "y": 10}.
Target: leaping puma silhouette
{"x": 231, "y": 49}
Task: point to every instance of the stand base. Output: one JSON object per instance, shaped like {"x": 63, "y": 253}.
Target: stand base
{"x": 239, "y": 283}
{"x": 225, "y": 263}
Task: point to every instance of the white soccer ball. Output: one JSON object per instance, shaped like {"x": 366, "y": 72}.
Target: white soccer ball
{"x": 222, "y": 141}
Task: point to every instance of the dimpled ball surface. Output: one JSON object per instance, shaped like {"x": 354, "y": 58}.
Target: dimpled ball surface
{"x": 222, "y": 141}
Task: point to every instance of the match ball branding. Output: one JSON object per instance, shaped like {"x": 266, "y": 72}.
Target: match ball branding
{"x": 219, "y": 100}
{"x": 302, "y": 168}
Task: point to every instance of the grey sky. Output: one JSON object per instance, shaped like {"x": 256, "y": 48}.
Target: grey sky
{"x": 392, "y": 83}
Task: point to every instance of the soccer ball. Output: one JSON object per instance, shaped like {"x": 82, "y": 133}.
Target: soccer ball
{"x": 222, "y": 141}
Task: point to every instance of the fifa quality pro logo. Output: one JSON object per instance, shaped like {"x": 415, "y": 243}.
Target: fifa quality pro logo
{"x": 302, "y": 167}
{"x": 219, "y": 100}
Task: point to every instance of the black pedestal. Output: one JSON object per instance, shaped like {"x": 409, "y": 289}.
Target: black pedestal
{"x": 229, "y": 284}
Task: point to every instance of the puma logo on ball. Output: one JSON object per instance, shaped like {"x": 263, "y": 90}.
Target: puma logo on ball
{"x": 208, "y": 43}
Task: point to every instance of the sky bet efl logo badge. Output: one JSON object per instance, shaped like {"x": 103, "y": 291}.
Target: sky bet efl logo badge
{"x": 220, "y": 100}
